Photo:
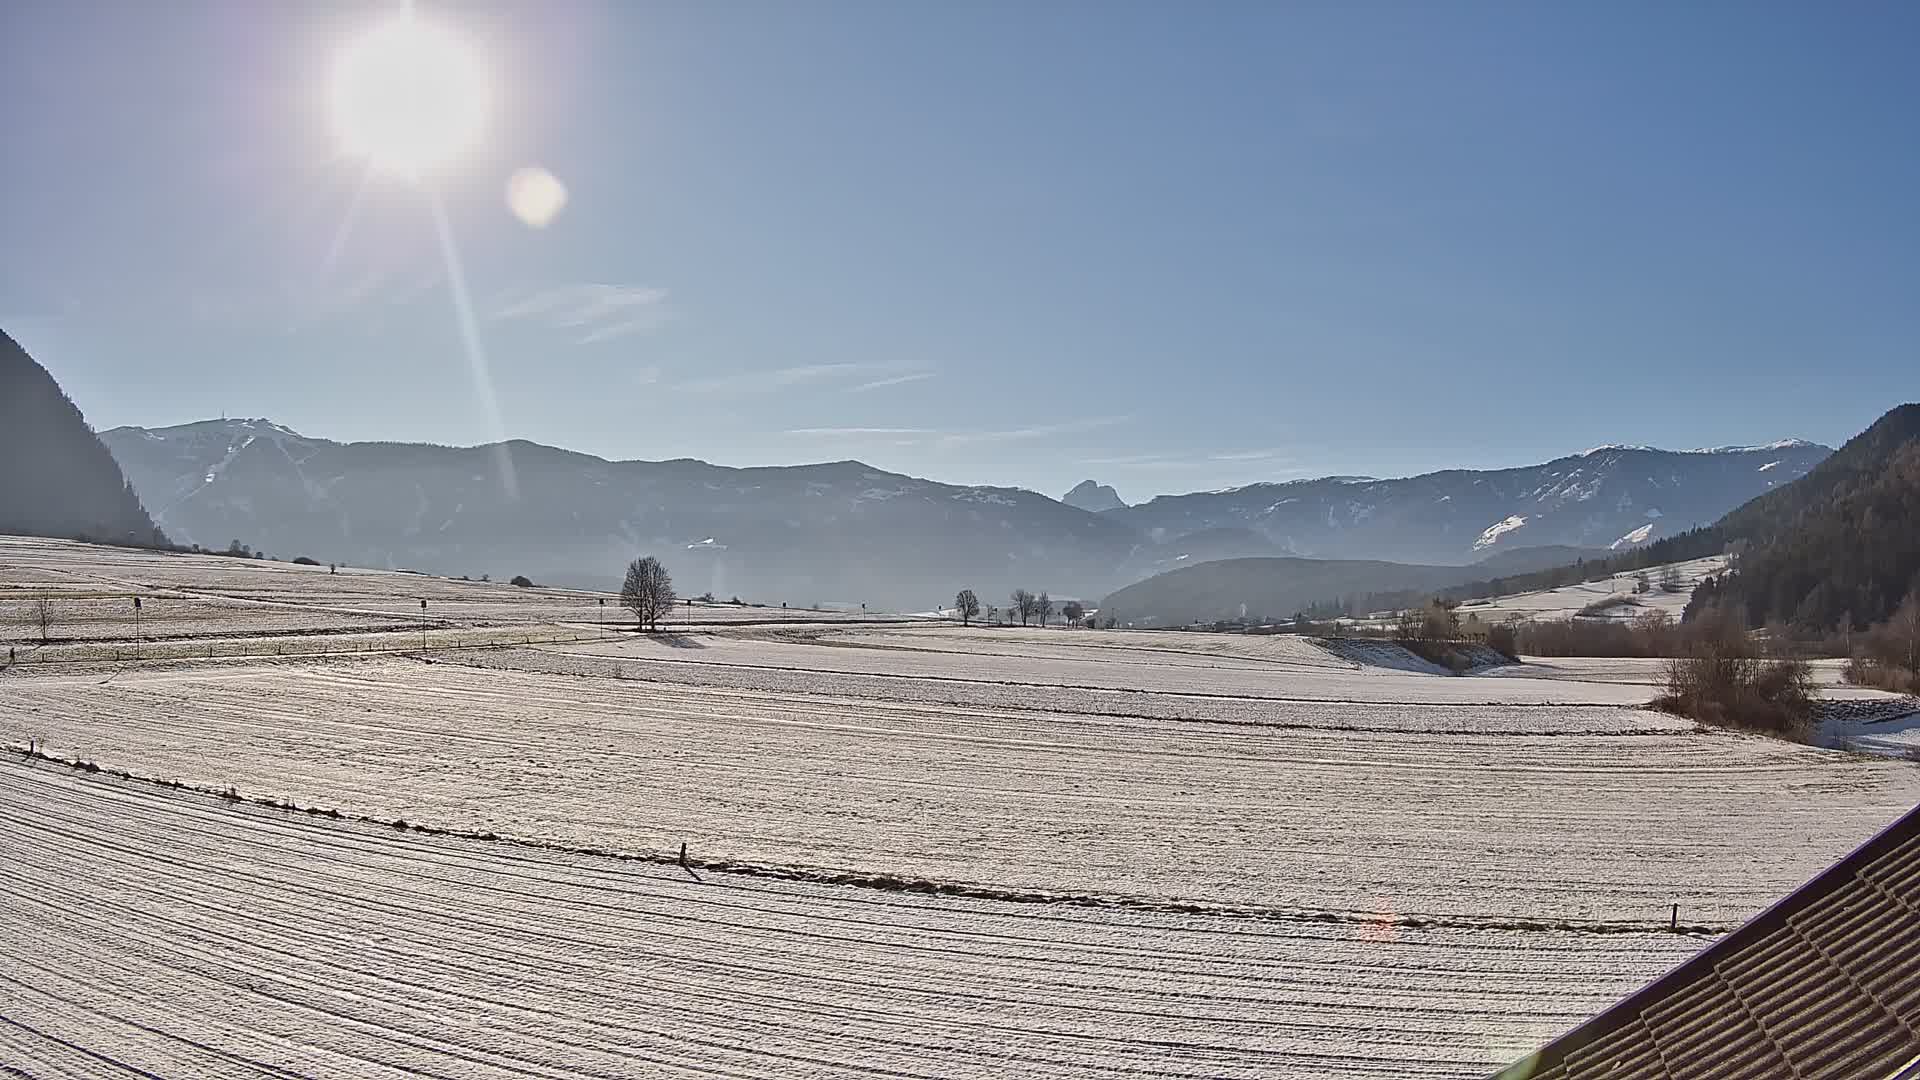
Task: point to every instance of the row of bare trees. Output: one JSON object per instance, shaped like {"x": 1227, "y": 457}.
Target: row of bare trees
{"x": 1023, "y": 604}
{"x": 1028, "y": 606}
{"x": 1888, "y": 656}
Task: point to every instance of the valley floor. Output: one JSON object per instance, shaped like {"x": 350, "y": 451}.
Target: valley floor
{"x": 923, "y": 851}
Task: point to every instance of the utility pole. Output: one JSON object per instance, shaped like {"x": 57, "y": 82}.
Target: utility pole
{"x": 136, "y": 628}
{"x": 423, "y": 626}
{"x": 603, "y": 616}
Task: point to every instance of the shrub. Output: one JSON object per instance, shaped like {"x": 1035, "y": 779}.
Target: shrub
{"x": 1866, "y": 671}
{"x": 1505, "y": 640}
{"x": 1725, "y": 684}
{"x": 522, "y": 581}
{"x": 302, "y": 560}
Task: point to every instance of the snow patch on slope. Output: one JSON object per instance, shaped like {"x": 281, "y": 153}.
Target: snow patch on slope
{"x": 1637, "y": 536}
{"x": 1498, "y": 529}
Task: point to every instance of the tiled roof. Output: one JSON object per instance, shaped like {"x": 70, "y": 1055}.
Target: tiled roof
{"x": 1825, "y": 983}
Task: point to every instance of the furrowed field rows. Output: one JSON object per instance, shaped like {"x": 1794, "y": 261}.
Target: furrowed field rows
{"x": 1601, "y": 828}
{"x": 98, "y": 618}
{"x": 1245, "y": 652}
{"x": 169, "y": 932}
{"x": 660, "y": 663}
{"x": 1143, "y": 670}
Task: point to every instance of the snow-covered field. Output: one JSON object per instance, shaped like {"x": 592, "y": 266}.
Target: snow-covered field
{"x": 1600, "y": 814}
{"x": 1292, "y": 669}
{"x": 198, "y": 605}
{"x": 1569, "y": 600}
{"x": 150, "y": 932}
{"x": 955, "y": 852}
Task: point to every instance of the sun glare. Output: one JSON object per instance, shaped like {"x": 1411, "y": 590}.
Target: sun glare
{"x": 408, "y": 96}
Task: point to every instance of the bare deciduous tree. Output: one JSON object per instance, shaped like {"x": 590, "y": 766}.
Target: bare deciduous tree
{"x": 1670, "y": 580}
{"x": 41, "y": 617}
{"x": 1021, "y": 605}
{"x": 1043, "y": 607}
{"x": 647, "y": 592}
{"x": 967, "y": 605}
{"x": 1898, "y": 639}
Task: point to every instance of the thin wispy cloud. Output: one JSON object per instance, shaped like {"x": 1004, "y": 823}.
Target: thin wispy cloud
{"x": 770, "y": 379}
{"x": 857, "y": 432}
{"x": 944, "y": 438}
{"x": 767, "y": 380}
{"x": 1038, "y": 431}
{"x": 1251, "y": 455}
{"x": 896, "y": 380}
{"x": 1268, "y": 459}
{"x": 619, "y": 329}
{"x": 594, "y": 311}
{"x": 1131, "y": 459}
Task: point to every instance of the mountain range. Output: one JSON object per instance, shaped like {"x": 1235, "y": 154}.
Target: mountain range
{"x": 1828, "y": 555}
{"x": 838, "y": 532}
{"x": 847, "y": 532}
{"x": 1607, "y": 497}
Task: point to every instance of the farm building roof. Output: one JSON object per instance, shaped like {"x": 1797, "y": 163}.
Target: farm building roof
{"x": 1825, "y": 983}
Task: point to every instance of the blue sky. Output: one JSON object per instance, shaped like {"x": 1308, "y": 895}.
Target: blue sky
{"x": 1166, "y": 246}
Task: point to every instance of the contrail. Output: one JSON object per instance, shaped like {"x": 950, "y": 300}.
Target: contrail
{"x": 476, "y": 358}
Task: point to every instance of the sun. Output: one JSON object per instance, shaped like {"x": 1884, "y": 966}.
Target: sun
{"x": 408, "y": 96}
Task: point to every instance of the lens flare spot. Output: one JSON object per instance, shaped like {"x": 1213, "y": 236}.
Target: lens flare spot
{"x": 535, "y": 196}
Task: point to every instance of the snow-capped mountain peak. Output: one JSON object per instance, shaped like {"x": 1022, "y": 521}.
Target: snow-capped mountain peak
{"x": 1777, "y": 444}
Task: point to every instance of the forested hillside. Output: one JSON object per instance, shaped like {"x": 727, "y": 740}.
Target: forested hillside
{"x": 56, "y": 479}
{"x": 1839, "y": 548}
